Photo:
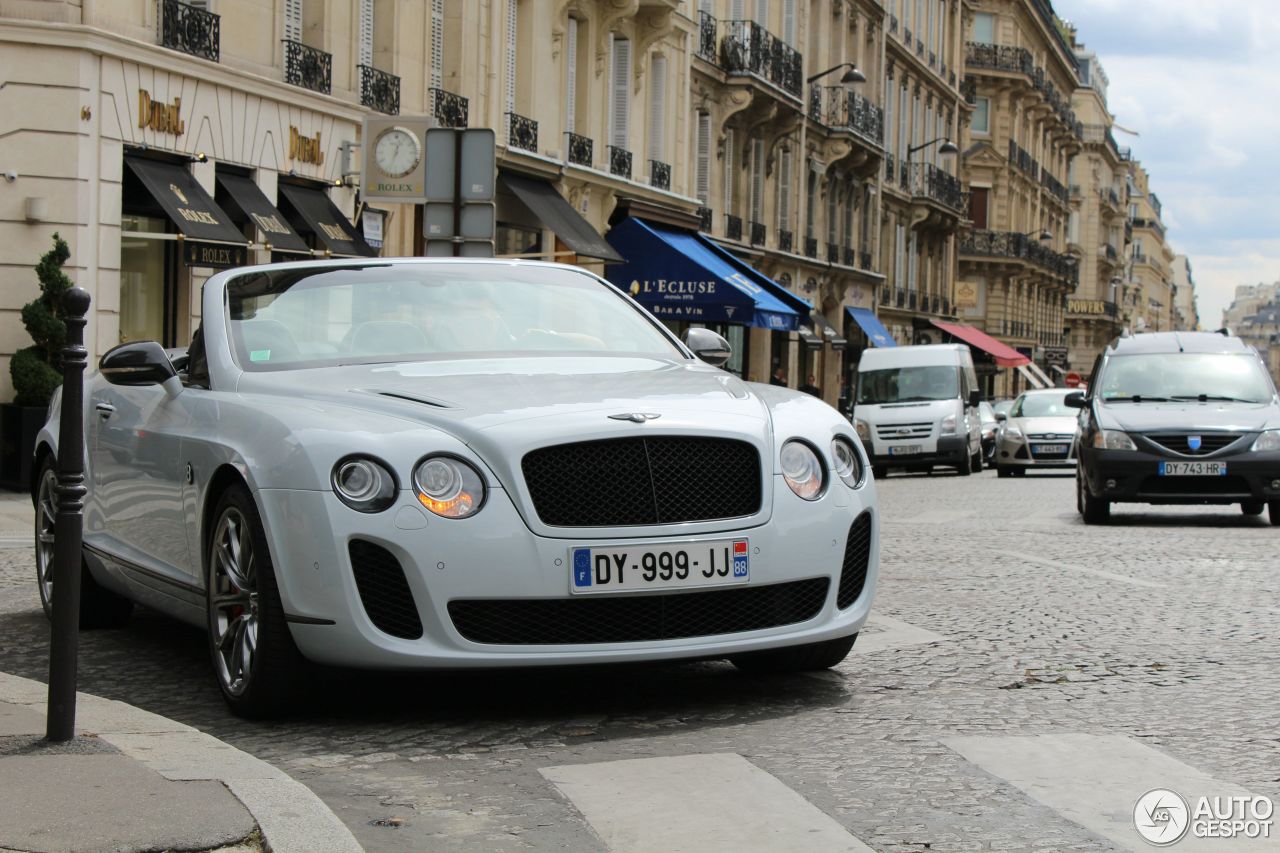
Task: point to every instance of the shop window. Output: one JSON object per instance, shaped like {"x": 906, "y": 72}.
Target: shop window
{"x": 146, "y": 300}
{"x": 517, "y": 240}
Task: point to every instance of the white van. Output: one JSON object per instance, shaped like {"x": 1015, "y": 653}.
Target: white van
{"x": 917, "y": 407}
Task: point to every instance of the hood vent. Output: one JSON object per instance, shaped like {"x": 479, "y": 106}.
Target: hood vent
{"x": 414, "y": 398}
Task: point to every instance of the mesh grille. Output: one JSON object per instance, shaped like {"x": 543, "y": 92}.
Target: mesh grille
{"x": 638, "y": 618}
{"x": 636, "y": 481}
{"x": 857, "y": 554}
{"x": 384, "y": 592}
{"x": 1210, "y": 442}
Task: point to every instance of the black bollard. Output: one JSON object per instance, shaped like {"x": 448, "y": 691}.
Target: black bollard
{"x": 68, "y": 525}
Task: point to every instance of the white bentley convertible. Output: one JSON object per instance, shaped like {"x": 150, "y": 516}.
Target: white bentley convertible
{"x": 440, "y": 463}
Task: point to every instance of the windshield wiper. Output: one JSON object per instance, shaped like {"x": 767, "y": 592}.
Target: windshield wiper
{"x": 1137, "y": 398}
{"x": 1205, "y": 398}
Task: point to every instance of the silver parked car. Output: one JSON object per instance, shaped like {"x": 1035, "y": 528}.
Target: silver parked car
{"x": 1039, "y": 431}
{"x": 455, "y": 463}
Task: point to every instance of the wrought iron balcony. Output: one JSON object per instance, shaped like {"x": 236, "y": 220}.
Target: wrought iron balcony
{"x": 946, "y": 305}
{"x": 933, "y": 59}
{"x": 619, "y": 162}
{"x": 1109, "y": 252}
{"x": 660, "y": 174}
{"x": 888, "y": 167}
{"x": 906, "y": 37}
{"x": 893, "y": 23}
{"x": 757, "y": 232}
{"x": 840, "y": 109}
{"x": 1022, "y": 160}
{"x": 449, "y": 109}
{"x": 919, "y": 47}
{"x": 705, "y": 219}
{"x": 998, "y": 57}
{"x": 1154, "y": 224}
{"x": 884, "y": 295}
{"x": 904, "y": 174}
{"x": 748, "y": 48}
{"x": 848, "y": 256}
{"x": 1055, "y": 187}
{"x": 1009, "y": 244}
{"x": 864, "y": 261}
{"x": 190, "y": 30}
{"x": 707, "y": 36}
{"x": 833, "y": 253}
{"x": 733, "y": 226}
{"x": 307, "y": 67}
{"x": 811, "y": 247}
{"x": 969, "y": 89}
{"x": 911, "y": 301}
{"x": 900, "y": 297}
{"x": 379, "y": 90}
{"x": 522, "y": 132}
{"x": 785, "y": 238}
{"x": 581, "y": 150}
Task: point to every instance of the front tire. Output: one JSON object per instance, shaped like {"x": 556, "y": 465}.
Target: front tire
{"x": 1094, "y": 510}
{"x": 257, "y": 665}
{"x": 880, "y": 472}
{"x": 1004, "y": 471}
{"x": 810, "y": 657}
{"x": 99, "y": 607}
{"x": 975, "y": 462}
{"x": 1252, "y": 507}
{"x": 1273, "y": 513}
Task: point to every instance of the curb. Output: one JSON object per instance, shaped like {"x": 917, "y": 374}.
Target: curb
{"x": 291, "y": 817}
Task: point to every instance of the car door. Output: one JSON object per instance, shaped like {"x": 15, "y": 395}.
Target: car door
{"x": 139, "y": 477}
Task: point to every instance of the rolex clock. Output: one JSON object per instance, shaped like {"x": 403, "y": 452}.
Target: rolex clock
{"x": 397, "y": 151}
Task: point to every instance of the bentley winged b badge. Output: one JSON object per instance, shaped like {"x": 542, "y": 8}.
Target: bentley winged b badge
{"x": 635, "y": 417}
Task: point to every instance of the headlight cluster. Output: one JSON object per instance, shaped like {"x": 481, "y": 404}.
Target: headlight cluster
{"x": 1113, "y": 439}
{"x": 863, "y": 429}
{"x": 805, "y": 473}
{"x": 445, "y": 485}
{"x": 948, "y": 425}
{"x": 1012, "y": 432}
{"x": 1268, "y": 442}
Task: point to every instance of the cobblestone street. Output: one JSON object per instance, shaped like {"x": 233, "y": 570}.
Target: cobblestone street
{"x": 999, "y": 615}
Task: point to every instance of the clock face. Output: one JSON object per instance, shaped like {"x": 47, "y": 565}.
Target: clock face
{"x": 397, "y": 152}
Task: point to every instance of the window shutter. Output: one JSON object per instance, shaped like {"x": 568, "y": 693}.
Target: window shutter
{"x": 293, "y": 20}
{"x": 620, "y": 92}
{"x": 850, "y": 200}
{"x": 789, "y": 22}
{"x": 571, "y": 86}
{"x": 738, "y": 10}
{"x": 757, "y": 179}
{"x": 657, "y": 107}
{"x": 784, "y": 192}
{"x": 512, "y": 23}
{"x": 833, "y": 212}
{"x": 912, "y": 261}
{"x": 366, "y": 32}
{"x": 702, "y": 159}
{"x": 707, "y": 6}
{"x": 728, "y": 170}
{"x": 437, "y": 44}
{"x": 762, "y": 13}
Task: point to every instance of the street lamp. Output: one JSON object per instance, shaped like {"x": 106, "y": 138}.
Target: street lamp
{"x": 853, "y": 75}
{"x": 946, "y": 149}
{"x": 1041, "y": 234}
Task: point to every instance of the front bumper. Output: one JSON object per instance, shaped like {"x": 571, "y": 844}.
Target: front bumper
{"x": 949, "y": 450}
{"x": 495, "y": 556}
{"x": 1021, "y": 453}
{"x": 1133, "y": 476}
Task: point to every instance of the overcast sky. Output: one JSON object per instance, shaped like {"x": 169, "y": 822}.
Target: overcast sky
{"x": 1200, "y": 82}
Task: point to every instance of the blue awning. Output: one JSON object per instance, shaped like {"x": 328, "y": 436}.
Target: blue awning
{"x": 870, "y": 323}
{"x": 799, "y": 304}
{"x": 677, "y": 276}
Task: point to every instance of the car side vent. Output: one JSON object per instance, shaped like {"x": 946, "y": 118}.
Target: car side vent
{"x": 413, "y": 398}
{"x": 384, "y": 592}
{"x": 857, "y": 554}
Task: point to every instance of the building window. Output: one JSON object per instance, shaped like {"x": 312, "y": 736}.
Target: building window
{"x": 981, "y": 121}
{"x": 984, "y": 28}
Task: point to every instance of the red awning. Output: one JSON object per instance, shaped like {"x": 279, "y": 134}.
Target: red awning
{"x": 1006, "y": 356}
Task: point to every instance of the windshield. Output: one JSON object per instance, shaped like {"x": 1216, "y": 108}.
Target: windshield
{"x": 288, "y": 319}
{"x": 908, "y": 384}
{"x": 1185, "y": 376}
{"x": 1042, "y": 406}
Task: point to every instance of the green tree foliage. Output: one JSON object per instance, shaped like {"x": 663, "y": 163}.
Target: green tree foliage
{"x": 37, "y": 370}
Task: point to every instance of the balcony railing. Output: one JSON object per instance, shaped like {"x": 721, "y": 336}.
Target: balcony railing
{"x": 307, "y": 67}
{"x": 811, "y": 247}
{"x": 969, "y": 89}
{"x": 450, "y": 110}
{"x": 998, "y": 57}
{"x": 1109, "y": 252}
{"x": 848, "y": 256}
{"x": 379, "y": 90}
{"x": 748, "y": 48}
{"x": 833, "y": 253}
{"x": 1054, "y": 186}
{"x": 660, "y": 174}
{"x": 522, "y": 132}
{"x": 707, "y": 36}
{"x": 1100, "y": 134}
{"x": 1022, "y": 160}
{"x": 1153, "y": 224}
{"x": 757, "y": 232}
{"x": 1009, "y": 244}
{"x": 785, "y": 238}
{"x": 732, "y": 226}
{"x": 884, "y": 295}
{"x": 888, "y": 167}
{"x": 581, "y": 150}
{"x": 930, "y": 182}
{"x": 840, "y": 109}
{"x": 900, "y": 297}
{"x": 864, "y": 261}
{"x": 705, "y": 219}
{"x": 190, "y": 30}
{"x": 911, "y": 300}
{"x": 619, "y": 162}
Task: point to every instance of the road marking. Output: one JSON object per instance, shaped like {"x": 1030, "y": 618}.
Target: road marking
{"x": 705, "y": 803}
{"x": 1111, "y": 576}
{"x": 1095, "y": 781}
{"x": 889, "y": 633}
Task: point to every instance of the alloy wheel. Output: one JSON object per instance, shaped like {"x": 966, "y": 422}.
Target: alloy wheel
{"x": 233, "y": 601}
{"x": 46, "y": 514}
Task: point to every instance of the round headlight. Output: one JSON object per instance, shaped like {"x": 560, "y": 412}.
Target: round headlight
{"x": 363, "y": 484}
{"x": 448, "y": 487}
{"x": 847, "y": 465}
{"x": 802, "y": 470}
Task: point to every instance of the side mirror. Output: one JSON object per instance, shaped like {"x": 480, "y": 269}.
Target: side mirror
{"x": 975, "y": 397}
{"x": 708, "y": 346}
{"x": 1001, "y": 416}
{"x": 1075, "y": 400}
{"x": 139, "y": 363}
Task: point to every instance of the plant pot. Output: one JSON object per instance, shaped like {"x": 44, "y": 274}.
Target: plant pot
{"x": 18, "y": 428}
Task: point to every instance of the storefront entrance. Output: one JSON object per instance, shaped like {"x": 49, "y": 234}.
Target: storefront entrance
{"x": 148, "y": 265}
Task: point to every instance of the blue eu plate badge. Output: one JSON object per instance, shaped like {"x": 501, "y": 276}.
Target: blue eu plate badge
{"x": 581, "y": 567}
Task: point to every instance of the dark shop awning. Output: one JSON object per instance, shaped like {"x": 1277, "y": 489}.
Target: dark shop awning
{"x": 550, "y": 208}
{"x": 317, "y": 214}
{"x": 828, "y": 331}
{"x": 196, "y": 215}
{"x": 240, "y": 193}
{"x": 871, "y": 325}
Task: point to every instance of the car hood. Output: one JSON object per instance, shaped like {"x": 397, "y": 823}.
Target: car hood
{"x": 1156, "y": 417}
{"x": 1064, "y": 426}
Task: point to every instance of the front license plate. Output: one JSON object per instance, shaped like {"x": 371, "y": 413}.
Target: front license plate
{"x": 1193, "y": 469}
{"x": 903, "y": 449}
{"x": 1051, "y": 448}
{"x": 720, "y": 562}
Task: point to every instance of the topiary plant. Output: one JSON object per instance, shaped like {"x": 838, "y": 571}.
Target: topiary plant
{"x": 37, "y": 370}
